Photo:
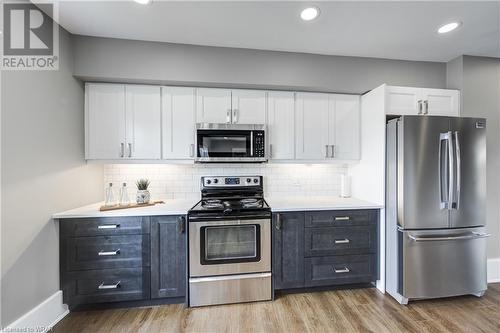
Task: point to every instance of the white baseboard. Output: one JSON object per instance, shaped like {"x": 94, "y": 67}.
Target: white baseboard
{"x": 493, "y": 270}
{"x": 42, "y": 317}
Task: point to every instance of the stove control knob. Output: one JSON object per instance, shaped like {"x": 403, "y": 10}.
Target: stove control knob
{"x": 248, "y": 180}
{"x": 256, "y": 180}
{"x": 209, "y": 181}
{"x": 216, "y": 180}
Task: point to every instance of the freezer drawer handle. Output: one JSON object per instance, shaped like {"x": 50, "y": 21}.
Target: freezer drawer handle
{"x": 108, "y": 226}
{"x": 109, "y": 286}
{"x": 342, "y": 241}
{"x": 340, "y": 271}
{"x": 109, "y": 253}
{"x": 473, "y": 235}
{"x": 342, "y": 218}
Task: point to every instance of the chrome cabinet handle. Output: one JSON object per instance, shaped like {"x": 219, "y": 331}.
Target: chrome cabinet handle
{"x": 270, "y": 150}
{"x": 459, "y": 171}
{"x": 129, "y": 150}
{"x": 122, "y": 151}
{"x": 342, "y": 241}
{"x": 109, "y": 253}
{"x": 228, "y": 116}
{"x": 109, "y": 286}
{"x": 191, "y": 150}
{"x": 426, "y": 104}
{"x": 278, "y": 222}
{"x": 342, "y": 218}
{"x": 235, "y": 116}
{"x": 473, "y": 235}
{"x": 333, "y": 151}
{"x": 340, "y": 271}
{"x": 108, "y": 226}
{"x": 419, "y": 102}
{"x": 326, "y": 151}
{"x": 182, "y": 224}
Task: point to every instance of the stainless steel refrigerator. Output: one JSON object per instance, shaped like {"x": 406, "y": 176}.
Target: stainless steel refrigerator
{"x": 435, "y": 207}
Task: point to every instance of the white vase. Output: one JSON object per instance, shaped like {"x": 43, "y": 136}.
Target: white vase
{"x": 143, "y": 197}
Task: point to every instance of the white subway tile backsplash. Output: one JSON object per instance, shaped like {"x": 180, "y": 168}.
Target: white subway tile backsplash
{"x": 182, "y": 181}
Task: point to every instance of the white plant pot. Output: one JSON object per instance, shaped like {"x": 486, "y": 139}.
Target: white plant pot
{"x": 143, "y": 197}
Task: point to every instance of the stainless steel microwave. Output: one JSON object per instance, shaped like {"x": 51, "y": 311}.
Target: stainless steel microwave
{"x": 230, "y": 143}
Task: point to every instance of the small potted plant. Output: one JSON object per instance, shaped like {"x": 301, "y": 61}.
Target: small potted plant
{"x": 143, "y": 195}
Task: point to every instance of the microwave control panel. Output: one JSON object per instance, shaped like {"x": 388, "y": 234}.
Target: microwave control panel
{"x": 258, "y": 144}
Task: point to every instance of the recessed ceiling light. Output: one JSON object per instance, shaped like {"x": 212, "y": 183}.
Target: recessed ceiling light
{"x": 309, "y": 13}
{"x": 448, "y": 27}
{"x": 143, "y": 2}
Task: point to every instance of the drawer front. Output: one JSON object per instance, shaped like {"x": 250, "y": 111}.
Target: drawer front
{"x": 99, "y": 252}
{"x": 340, "y": 218}
{"x": 104, "y": 226}
{"x": 334, "y": 270}
{"x": 108, "y": 285}
{"x": 340, "y": 240}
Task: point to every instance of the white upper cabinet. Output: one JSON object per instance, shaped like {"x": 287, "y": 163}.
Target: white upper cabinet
{"x": 422, "y": 101}
{"x": 248, "y": 107}
{"x": 441, "y": 102}
{"x": 104, "y": 121}
{"x": 213, "y": 106}
{"x": 122, "y": 122}
{"x": 311, "y": 126}
{"x": 345, "y": 122}
{"x": 280, "y": 125}
{"x": 178, "y": 124}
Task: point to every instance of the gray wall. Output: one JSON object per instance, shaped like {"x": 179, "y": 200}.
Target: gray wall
{"x": 105, "y": 59}
{"x": 43, "y": 172}
{"x": 479, "y": 80}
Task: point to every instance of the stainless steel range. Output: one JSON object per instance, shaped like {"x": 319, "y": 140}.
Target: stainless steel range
{"x": 230, "y": 242}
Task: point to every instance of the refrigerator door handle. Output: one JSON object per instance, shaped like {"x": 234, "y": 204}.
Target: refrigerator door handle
{"x": 446, "y": 204}
{"x": 472, "y": 235}
{"x": 459, "y": 171}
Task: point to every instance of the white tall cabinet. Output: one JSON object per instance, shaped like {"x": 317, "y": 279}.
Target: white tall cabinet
{"x": 327, "y": 126}
{"x": 422, "y": 101}
{"x": 227, "y": 106}
{"x": 122, "y": 121}
{"x": 178, "y": 124}
{"x": 281, "y": 125}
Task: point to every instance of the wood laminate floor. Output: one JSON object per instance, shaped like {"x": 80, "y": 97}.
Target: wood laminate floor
{"x": 355, "y": 310}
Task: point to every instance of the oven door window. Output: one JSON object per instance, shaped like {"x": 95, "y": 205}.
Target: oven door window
{"x": 230, "y": 244}
{"x": 223, "y": 143}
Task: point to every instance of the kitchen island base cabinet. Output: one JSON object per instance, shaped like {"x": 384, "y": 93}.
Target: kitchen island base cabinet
{"x": 325, "y": 248}
{"x": 168, "y": 256}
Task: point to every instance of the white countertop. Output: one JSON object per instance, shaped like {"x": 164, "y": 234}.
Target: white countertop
{"x": 181, "y": 207}
{"x": 170, "y": 207}
{"x": 290, "y": 204}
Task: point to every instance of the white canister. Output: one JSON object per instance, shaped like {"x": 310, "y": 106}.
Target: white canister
{"x": 345, "y": 186}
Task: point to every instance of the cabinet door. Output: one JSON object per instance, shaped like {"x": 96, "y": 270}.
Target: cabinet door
{"x": 213, "y": 105}
{"x": 143, "y": 122}
{"x": 288, "y": 250}
{"x": 168, "y": 256}
{"x": 178, "y": 124}
{"x": 403, "y": 100}
{"x": 280, "y": 125}
{"x": 311, "y": 126}
{"x": 104, "y": 121}
{"x": 441, "y": 102}
{"x": 345, "y": 127}
{"x": 248, "y": 107}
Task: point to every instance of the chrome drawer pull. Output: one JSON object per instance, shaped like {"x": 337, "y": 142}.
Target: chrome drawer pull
{"x": 342, "y": 218}
{"x": 342, "y": 241}
{"x": 339, "y": 271}
{"x": 109, "y": 253}
{"x": 109, "y": 286}
{"x": 108, "y": 226}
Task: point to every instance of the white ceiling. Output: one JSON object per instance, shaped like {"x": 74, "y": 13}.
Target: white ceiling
{"x": 396, "y": 30}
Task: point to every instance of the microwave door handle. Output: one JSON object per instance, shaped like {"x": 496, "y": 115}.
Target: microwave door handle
{"x": 251, "y": 143}
{"x": 458, "y": 168}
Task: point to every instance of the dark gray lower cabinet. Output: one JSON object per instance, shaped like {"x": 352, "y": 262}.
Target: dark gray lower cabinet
{"x": 288, "y": 250}
{"x": 325, "y": 248}
{"x": 168, "y": 256}
{"x": 117, "y": 259}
